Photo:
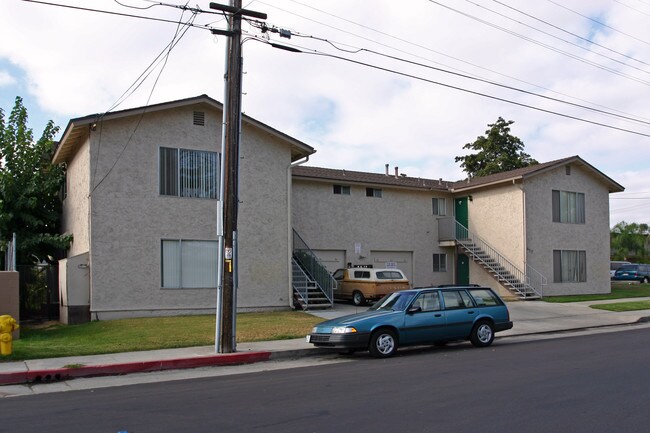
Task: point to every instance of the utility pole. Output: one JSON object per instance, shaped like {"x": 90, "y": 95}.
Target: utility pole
{"x": 227, "y": 291}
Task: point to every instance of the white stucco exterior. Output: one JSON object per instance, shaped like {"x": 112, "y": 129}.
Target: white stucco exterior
{"x": 115, "y": 211}
{"x": 119, "y": 218}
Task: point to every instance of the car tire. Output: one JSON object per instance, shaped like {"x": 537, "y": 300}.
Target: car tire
{"x": 383, "y": 343}
{"x": 482, "y": 334}
{"x": 645, "y": 280}
{"x": 358, "y": 298}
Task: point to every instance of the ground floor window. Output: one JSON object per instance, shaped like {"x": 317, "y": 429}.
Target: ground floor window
{"x": 569, "y": 266}
{"x": 440, "y": 263}
{"x": 188, "y": 264}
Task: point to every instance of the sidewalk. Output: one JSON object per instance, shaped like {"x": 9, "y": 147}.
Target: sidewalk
{"x": 533, "y": 317}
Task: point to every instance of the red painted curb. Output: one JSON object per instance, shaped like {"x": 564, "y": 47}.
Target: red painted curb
{"x": 55, "y": 374}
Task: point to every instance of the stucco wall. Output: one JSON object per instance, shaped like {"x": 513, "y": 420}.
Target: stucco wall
{"x": 75, "y": 218}
{"x": 544, "y": 236}
{"x": 130, "y": 218}
{"x": 496, "y": 216}
{"x": 402, "y": 220}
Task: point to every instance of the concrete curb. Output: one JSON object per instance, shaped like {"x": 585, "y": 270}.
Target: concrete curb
{"x": 56, "y": 374}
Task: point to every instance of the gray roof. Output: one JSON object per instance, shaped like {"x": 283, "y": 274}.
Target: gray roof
{"x": 348, "y": 176}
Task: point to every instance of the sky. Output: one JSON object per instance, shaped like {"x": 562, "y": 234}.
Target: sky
{"x": 376, "y": 82}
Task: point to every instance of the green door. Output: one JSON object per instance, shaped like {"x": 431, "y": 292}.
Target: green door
{"x": 462, "y": 269}
{"x": 462, "y": 261}
{"x": 462, "y": 215}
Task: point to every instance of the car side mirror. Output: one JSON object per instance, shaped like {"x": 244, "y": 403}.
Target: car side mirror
{"x": 414, "y": 309}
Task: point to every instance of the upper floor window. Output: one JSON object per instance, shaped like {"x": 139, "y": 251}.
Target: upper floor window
{"x": 568, "y": 207}
{"x": 189, "y": 173}
{"x": 439, "y": 206}
{"x": 341, "y": 189}
{"x": 373, "y": 192}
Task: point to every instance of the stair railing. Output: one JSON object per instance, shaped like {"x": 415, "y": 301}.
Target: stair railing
{"x": 313, "y": 267}
{"x": 301, "y": 281}
{"x": 502, "y": 267}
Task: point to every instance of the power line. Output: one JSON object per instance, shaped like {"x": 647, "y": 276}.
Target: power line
{"x": 430, "y": 50}
{"x": 120, "y": 13}
{"x": 574, "y": 35}
{"x": 168, "y": 49}
{"x": 600, "y": 23}
{"x": 493, "y": 83}
{"x": 542, "y": 44}
{"x": 415, "y": 77}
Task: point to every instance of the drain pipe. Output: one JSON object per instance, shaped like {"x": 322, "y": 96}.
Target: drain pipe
{"x": 290, "y": 226}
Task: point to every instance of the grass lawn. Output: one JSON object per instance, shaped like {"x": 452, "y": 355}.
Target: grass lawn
{"x": 130, "y": 335}
{"x": 623, "y": 306}
{"x": 619, "y": 291}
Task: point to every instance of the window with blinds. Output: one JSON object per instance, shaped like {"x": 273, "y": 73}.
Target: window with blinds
{"x": 189, "y": 264}
{"x": 189, "y": 173}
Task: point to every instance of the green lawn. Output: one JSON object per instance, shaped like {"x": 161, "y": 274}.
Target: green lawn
{"x": 619, "y": 291}
{"x": 623, "y": 306}
{"x": 129, "y": 335}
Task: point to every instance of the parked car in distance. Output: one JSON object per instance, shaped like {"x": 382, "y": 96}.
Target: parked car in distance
{"x": 433, "y": 315}
{"x": 614, "y": 265}
{"x": 633, "y": 272}
{"x": 363, "y": 284}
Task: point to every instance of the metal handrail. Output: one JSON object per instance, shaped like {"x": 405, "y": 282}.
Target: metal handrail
{"x": 313, "y": 267}
{"x": 503, "y": 268}
{"x": 300, "y": 281}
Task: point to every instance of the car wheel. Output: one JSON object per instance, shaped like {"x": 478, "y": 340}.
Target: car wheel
{"x": 482, "y": 334}
{"x": 358, "y": 299}
{"x": 645, "y": 280}
{"x": 383, "y": 344}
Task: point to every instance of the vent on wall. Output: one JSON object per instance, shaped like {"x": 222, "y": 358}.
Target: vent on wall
{"x": 199, "y": 118}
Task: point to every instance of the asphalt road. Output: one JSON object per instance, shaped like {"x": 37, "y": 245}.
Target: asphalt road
{"x": 594, "y": 383}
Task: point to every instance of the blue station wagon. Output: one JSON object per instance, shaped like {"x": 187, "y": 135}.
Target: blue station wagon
{"x": 433, "y": 315}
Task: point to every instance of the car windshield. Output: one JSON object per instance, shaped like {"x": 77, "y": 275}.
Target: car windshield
{"x": 395, "y": 301}
{"x": 627, "y": 268}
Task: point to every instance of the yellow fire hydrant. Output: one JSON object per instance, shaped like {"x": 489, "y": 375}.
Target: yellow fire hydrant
{"x": 7, "y": 325}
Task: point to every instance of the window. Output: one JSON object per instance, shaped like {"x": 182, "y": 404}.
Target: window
{"x": 429, "y": 301}
{"x": 373, "y": 192}
{"x": 189, "y": 264}
{"x": 439, "y": 206}
{"x": 189, "y": 173}
{"x": 440, "y": 263}
{"x": 569, "y": 266}
{"x": 455, "y": 299}
{"x": 568, "y": 207}
{"x": 484, "y": 298}
{"x": 342, "y": 189}
{"x": 389, "y": 275}
{"x": 361, "y": 274}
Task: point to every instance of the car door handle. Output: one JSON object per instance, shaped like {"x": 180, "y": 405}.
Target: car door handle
{"x": 470, "y": 312}
{"x": 438, "y": 315}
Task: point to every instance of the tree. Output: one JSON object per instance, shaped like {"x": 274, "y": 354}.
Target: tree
{"x": 496, "y": 152}
{"x": 30, "y": 184}
{"x": 628, "y": 241}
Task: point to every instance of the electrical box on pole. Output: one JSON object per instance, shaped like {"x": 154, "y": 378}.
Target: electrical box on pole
{"x": 226, "y": 303}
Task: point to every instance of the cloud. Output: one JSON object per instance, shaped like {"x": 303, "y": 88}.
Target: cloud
{"x": 360, "y": 117}
{"x": 6, "y": 79}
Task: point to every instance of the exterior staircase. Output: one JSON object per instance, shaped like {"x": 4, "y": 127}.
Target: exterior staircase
{"x": 528, "y": 284}
{"x": 313, "y": 285}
